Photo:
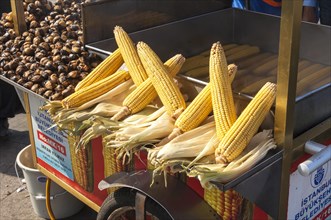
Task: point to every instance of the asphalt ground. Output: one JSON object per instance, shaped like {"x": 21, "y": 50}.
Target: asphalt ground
{"x": 17, "y": 205}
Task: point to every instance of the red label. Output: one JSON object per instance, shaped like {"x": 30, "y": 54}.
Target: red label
{"x": 324, "y": 214}
{"x": 195, "y": 185}
{"x": 50, "y": 142}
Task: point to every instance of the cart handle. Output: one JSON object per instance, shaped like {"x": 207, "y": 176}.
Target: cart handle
{"x": 321, "y": 155}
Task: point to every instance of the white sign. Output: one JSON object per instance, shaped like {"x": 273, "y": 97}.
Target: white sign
{"x": 52, "y": 146}
{"x": 310, "y": 196}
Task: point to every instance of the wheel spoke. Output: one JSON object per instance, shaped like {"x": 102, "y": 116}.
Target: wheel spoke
{"x": 140, "y": 206}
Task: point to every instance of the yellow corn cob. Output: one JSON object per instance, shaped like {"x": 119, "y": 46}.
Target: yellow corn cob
{"x": 197, "y": 65}
{"x": 254, "y": 87}
{"x": 107, "y": 67}
{"x": 247, "y": 124}
{"x": 309, "y": 70}
{"x": 301, "y": 66}
{"x": 221, "y": 92}
{"x": 235, "y": 49}
{"x": 90, "y": 92}
{"x": 227, "y": 204}
{"x": 266, "y": 67}
{"x": 257, "y": 58}
{"x": 198, "y": 72}
{"x": 232, "y": 70}
{"x": 232, "y": 204}
{"x": 109, "y": 159}
{"x": 164, "y": 85}
{"x": 195, "y": 62}
{"x": 229, "y": 46}
{"x": 305, "y": 83}
{"x": 130, "y": 56}
{"x": 243, "y": 54}
{"x": 236, "y": 205}
{"x": 198, "y": 110}
{"x": 206, "y": 53}
{"x": 321, "y": 82}
{"x": 225, "y": 48}
{"x": 228, "y": 195}
{"x": 145, "y": 93}
{"x": 72, "y": 139}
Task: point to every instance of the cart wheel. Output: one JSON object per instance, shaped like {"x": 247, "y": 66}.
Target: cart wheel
{"x": 121, "y": 205}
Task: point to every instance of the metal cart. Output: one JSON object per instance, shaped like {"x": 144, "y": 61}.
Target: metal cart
{"x": 297, "y": 118}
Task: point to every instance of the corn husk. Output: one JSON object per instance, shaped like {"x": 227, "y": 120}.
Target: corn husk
{"x": 131, "y": 137}
{"x": 209, "y": 149}
{"x": 101, "y": 109}
{"x": 101, "y": 126}
{"x": 105, "y": 105}
{"x": 256, "y": 150}
{"x": 187, "y": 145}
{"x": 115, "y": 95}
{"x": 52, "y": 107}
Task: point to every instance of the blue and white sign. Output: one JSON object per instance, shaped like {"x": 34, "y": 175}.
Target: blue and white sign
{"x": 310, "y": 196}
{"x": 52, "y": 146}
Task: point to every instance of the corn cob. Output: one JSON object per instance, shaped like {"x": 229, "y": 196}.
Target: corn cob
{"x": 198, "y": 72}
{"x": 258, "y": 58}
{"x": 107, "y": 67}
{"x": 206, "y": 53}
{"x": 164, "y": 85}
{"x": 243, "y": 54}
{"x": 90, "y": 92}
{"x": 236, "y": 205}
{"x": 109, "y": 158}
{"x": 301, "y": 66}
{"x": 199, "y": 109}
{"x": 254, "y": 87}
{"x": 236, "y": 49}
{"x": 130, "y": 56}
{"x": 266, "y": 66}
{"x": 197, "y": 65}
{"x": 229, "y": 46}
{"x": 305, "y": 83}
{"x": 195, "y": 62}
{"x": 309, "y": 70}
{"x": 79, "y": 160}
{"x": 221, "y": 93}
{"x": 227, "y": 204}
{"x": 225, "y": 48}
{"x": 145, "y": 93}
{"x": 239, "y": 135}
{"x": 321, "y": 82}
{"x": 74, "y": 160}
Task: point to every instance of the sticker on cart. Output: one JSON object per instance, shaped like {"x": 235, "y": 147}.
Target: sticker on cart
{"x": 310, "y": 196}
{"x": 52, "y": 146}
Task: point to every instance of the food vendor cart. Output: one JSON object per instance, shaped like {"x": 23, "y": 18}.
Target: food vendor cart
{"x": 298, "y": 116}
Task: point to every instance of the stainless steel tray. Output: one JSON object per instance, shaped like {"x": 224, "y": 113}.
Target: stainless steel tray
{"x": 99, "y": 17}
{"x": 194, "y": 35}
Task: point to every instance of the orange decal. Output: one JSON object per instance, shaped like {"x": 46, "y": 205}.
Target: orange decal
{"x": 273, "y": 3}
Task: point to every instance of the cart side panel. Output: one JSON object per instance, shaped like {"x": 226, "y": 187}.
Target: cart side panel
{"x": 55, "y": 154}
